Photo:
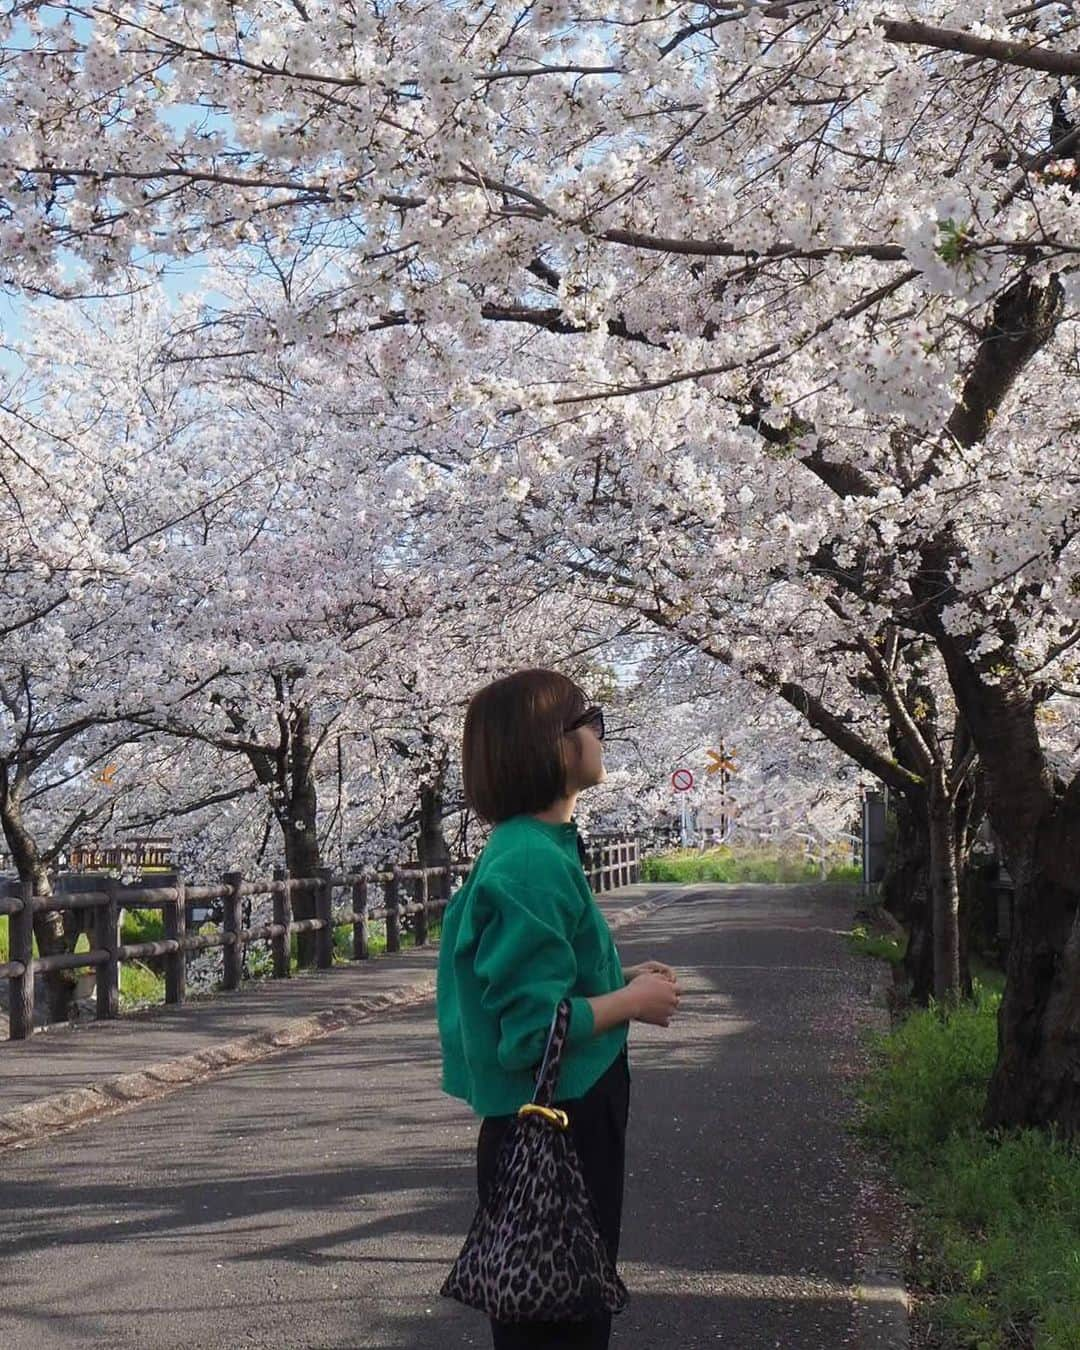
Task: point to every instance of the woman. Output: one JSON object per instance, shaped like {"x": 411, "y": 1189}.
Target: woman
{"x": 524, "y": 932}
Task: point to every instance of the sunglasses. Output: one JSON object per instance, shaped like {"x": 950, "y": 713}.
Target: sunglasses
{"x": 593, "y": 717}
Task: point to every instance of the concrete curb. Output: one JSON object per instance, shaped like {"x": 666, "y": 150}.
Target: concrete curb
{"x": 882, "y": 1302}
{"x": 60, "y": 1112}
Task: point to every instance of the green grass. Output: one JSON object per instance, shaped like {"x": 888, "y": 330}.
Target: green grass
{"x": 377, "y": 939}
{"x": 724, "y": 864}
{"x": 889, "y": 949}
{"x": 5, "y": 939}
{"x": 140, "y": 985}
{"x": 260, "y": 960}
{"x": 140, "y": 925}
{"x": 997, "y": 1214}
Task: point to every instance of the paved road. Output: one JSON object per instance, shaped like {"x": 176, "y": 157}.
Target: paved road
{"x": 315, "y": 1199}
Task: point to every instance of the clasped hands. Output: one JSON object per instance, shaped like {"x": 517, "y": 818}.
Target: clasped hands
{"x": 654, "y": 992}
{"x": 649, "y": 968}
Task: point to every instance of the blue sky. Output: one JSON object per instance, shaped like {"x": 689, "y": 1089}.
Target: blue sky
{"x": 178, "y": 277}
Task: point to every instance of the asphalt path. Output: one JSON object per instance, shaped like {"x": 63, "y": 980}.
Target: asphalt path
{"x": 316, "y": 1198}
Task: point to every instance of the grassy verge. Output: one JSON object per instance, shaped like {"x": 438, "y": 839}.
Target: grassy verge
{"x": 997, "y": 1215}
{"x": 725, "y": 864}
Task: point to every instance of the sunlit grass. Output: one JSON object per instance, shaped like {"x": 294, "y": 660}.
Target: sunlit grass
{"x": 997, "y": 1213}
{"x": 725, "y": 864}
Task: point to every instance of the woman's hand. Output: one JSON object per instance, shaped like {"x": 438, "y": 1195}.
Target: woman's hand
{"x": 649, "y": 968}
{"x": 652, "y": 997}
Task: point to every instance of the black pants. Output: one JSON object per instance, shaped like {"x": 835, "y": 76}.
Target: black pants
{"x": 598, "y": 1124}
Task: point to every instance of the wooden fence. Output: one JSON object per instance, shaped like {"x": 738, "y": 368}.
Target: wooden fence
{"x": 411, "y": 895}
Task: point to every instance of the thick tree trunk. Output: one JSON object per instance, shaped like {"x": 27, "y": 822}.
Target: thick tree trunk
{"x": 1037, "y": 1077}
{"x": 432, "y": 848}
{"x": 54, "y": 937}
{"x": 302, "y": 854}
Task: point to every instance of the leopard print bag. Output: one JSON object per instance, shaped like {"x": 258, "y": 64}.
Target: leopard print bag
{"x": 534, "y": 1253}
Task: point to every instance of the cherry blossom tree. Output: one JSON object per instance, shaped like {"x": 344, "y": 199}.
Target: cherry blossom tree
{"x": 824, "y": 250}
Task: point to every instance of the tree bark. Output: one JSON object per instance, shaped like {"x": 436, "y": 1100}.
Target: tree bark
{"x": 944, "y": 889}
{"x": 905, "y": 893}
{"x": 431, "y": 846}
{"x": 54, "y": 936}
{"x": 1036, "y": 1081}
{"x": 300, "y": 826}
{"x": 1036, "y": 817}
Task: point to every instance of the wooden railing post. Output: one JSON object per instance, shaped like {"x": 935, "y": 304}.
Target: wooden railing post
{"x": 175, "y": 924}
{"x": 360, "y": 928}
{"x": 635, "y": 861}
{"x": 446, "y": 883}
{"x": 324, "y": 911}
{"x": 21, "y": 987}
{"x": 230, "y": 953}
{"x": 393, "y": 908}
{"x": 280, "y": 944}
{"x": 420, "y": 926}
{"x": 107, "y": 938}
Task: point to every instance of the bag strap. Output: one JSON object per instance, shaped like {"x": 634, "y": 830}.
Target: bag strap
{"x": 547, "y": 1077}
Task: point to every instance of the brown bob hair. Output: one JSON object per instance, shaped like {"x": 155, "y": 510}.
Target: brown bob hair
{"x": 513, "y": 753}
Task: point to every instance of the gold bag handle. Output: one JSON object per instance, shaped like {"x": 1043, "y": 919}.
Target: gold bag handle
{"x": 551, "y": 1113}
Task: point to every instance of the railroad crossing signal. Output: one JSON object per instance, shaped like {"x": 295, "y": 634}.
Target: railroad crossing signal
{"x": 722, "y": 762}
{"x": 107, "y": 775}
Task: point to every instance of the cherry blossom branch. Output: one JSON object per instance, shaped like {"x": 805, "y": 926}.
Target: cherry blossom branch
{"x": 725, "y": 367}
{"x": 910, "y": 33}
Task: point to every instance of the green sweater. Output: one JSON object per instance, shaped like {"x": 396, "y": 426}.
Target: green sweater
{"x": 523, "y": 932}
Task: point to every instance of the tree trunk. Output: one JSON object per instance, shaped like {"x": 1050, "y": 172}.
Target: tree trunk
{"x": 1037, "y": 1077}
{"x": 431, "y": 846}
{"x": 905, "y": 892}
{"x": 1036, "y": 1080}
{"x": 944, "y": 890}
{"x": 970, "y": 810}
{"x": 54, "y": 938}
{"x": 300, "y": 829}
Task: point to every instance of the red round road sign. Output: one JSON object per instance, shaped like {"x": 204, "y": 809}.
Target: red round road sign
{"x": 682, "y": 780}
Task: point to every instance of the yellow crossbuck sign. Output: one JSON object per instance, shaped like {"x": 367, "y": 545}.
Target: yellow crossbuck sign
{"x": 721, "y": 760}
